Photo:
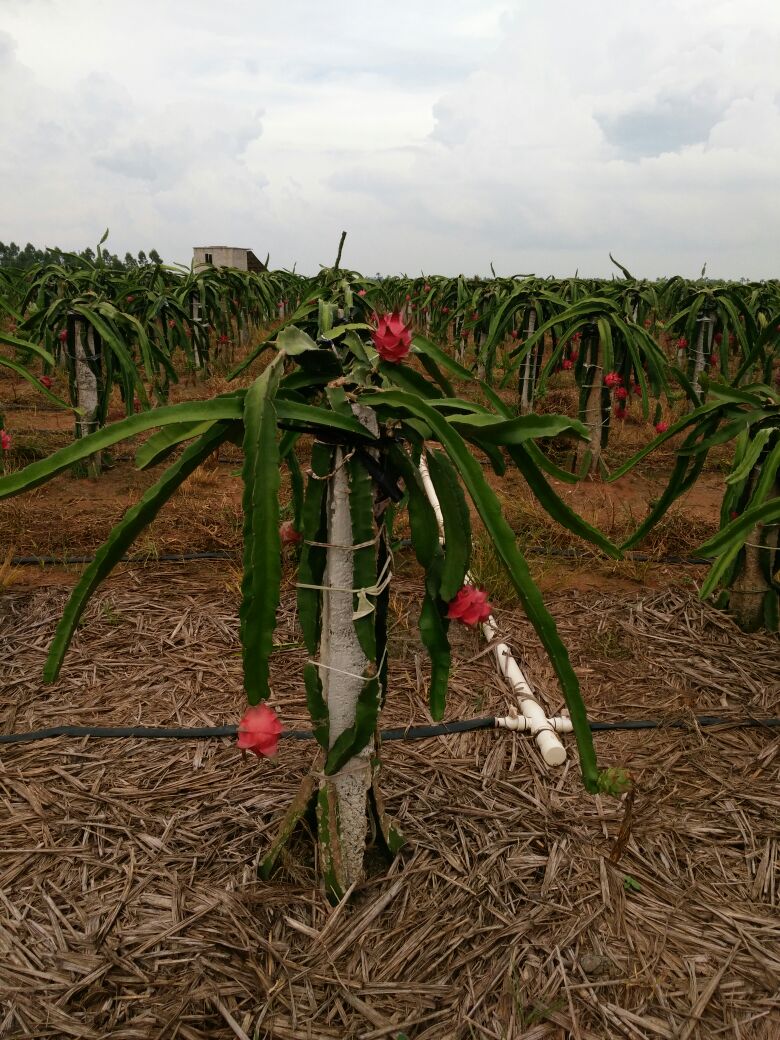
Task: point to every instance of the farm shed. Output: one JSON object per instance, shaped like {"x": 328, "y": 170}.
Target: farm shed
{"x": 226, "y": 256}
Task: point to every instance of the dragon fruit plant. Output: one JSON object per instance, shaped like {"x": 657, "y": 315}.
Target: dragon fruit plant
{"x": 745, "y": 552}
{"x": 375, "y": 398}
{"x": 616, "y": 359}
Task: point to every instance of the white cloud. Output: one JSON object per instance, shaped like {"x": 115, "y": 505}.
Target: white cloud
{"x": 442, "y": 135}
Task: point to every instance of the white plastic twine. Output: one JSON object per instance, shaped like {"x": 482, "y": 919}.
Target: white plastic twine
{"x": 533, "y": 716}
{"x": 364, "y": 606}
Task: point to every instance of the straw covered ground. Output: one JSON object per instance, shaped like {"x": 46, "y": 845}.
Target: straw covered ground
{"x": 522, "y": 908}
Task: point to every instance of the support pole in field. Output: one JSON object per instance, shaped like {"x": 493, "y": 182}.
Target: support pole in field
{"x": 460, "y": 334}
{"x": 84, "y": 378}
{"x": 751, "y": 592}
{"x": 528, "y": 369}
{"x": 343, "y": 666}
{"x": 83, "y": 357}
{"x": 198, "y": 334}
{"x": 345, "y": 677}
{"x": 353, "y": 642}
{"x": 702, "y": 349}
{"x": 536, "y": 721}
{"x": 242, "y": 322}
{"x": 592, "y": 407}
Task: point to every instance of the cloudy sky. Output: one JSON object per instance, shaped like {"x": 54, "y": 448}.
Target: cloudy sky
{"x": 442, "y": 134}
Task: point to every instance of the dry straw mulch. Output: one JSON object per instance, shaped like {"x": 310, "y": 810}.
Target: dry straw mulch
{"x": 129, "y": 903}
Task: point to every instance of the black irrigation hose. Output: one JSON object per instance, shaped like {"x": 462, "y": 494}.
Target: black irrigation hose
{"x": 220, "y": 461}
{"x": 638, "y": 557}
{"x": 405, "y": 733}
{"x": 223, "y": 554}
{"x": 47, "y": 561}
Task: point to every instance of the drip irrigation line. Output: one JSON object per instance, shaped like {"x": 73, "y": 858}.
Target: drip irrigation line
{"x": 404, "y": 733}
{"x": 224, "y": 554}
{"x": 63, "y": 561}
{"x": 220, "y": 461}
{"x": 637, "y": 557}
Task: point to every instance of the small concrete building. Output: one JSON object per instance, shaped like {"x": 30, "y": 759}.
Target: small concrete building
{"x": 226, "y": 256}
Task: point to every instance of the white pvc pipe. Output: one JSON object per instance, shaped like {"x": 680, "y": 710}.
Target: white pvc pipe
{"x": 553, "y": 751}
{"x": 430, "y": 491}
{"x": 536, "y": 722}
{"x": 521, "y": 724}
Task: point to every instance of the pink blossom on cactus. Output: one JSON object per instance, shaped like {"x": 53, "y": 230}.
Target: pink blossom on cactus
{"x": 46, "y": 381}
{"x": 5, "y": 440}
{"x": 470, "y": 606}
{"x": 621, "y": 393}
{"x": 612, "y": 379}
{"x": 259, "y": 731}
{"x": 392, "y": 338}
{"x": 567, "y": 364}
{"x": 682, "y": 343}
{"x": 361, "y": 292}
{"x": 661, "y": 427}
{"x": 288, "y": 533}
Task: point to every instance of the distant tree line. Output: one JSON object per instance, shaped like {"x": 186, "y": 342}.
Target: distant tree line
{"x": 12, "y": 255}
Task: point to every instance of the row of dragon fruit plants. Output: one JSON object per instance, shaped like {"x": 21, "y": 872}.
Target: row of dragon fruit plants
{"x": 626, "y": 343}
{"x": 622, "y": 343}
{"x": 372, "y": 376}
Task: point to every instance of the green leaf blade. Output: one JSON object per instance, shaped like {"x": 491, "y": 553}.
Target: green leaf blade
{"x": 122, "y": 536}
{"x": 262, "y": 543}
